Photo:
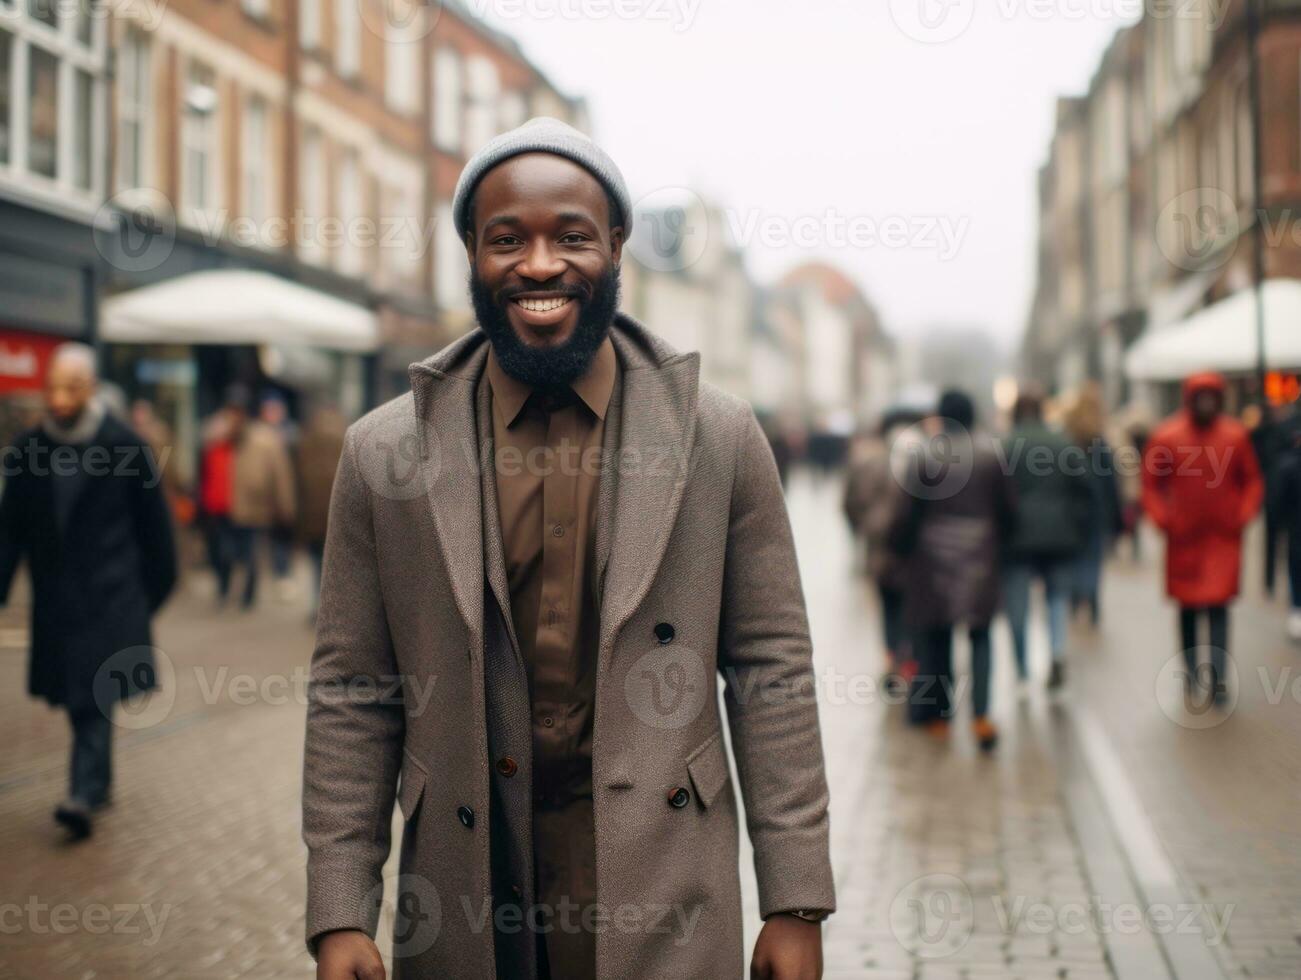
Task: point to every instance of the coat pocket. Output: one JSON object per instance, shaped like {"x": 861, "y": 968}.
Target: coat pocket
{"x": 411, "y": 788}
{"x": 708, "y": 768}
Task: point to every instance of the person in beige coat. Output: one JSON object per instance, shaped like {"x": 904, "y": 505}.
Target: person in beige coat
{"x": 546, "y": 834}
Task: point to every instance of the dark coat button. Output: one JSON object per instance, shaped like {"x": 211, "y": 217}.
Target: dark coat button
{"x": 507, "y": 766}
{"x": 664, "y": 632}
{"x": 679, "y": 797}
{"x": 465, "y": 815}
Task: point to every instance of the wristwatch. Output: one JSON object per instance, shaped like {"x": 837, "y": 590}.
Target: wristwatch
{"x": 808, "y": 915}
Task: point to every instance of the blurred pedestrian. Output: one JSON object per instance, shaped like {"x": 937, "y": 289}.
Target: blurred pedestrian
{"x": 873, "y": 498}
{"x": 318, "y": 460}
{"x": 1202, "y": 486}
{"x": 83, "y": 505}
{"x": 1085, "y": 424}
{"x": 1054, "y": 504}
{"x": 261, "y": 494}
{"x": 1285, "y": 501}
{"x": 216, "y": 488}
{"x": 274, "y": 413}
{"x": 952, "y": 527}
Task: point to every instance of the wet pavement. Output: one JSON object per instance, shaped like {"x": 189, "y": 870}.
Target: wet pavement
{"x": 1117, "y": 831}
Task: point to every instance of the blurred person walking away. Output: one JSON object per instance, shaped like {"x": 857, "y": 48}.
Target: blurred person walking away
{"x": 84, "y": 506}
{"x": 1285, "y": 500}
{"x": 274, "y": 414}
{"x": 1085, "y": 425}
{"x": 1054, "y": 503}
{"x": 952, "y": 527}
{"x": 317, "y": 461}
{"x": 873, "y": 498}
{"x": 1267, "y": 440}
{"x": 216, "y": 488}
{"x": 1202, "y": 486}
{"x": 1132, "y": 435}
{"x": 262, "y": 490}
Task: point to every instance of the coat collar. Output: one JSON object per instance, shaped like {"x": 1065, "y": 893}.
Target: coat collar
{"x": 648, "y": 442}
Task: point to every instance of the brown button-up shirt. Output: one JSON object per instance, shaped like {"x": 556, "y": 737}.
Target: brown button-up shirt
{"x": 548, "y": 465}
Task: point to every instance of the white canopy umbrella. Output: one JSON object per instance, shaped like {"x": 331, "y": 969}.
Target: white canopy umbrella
{"x": 237, "y": 306}
{"x": 1223, "y": 337}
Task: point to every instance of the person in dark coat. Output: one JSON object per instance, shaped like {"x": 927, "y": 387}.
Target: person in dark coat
{"x": 1285, "y": 501}
{"x": 1085, "y": 425}
{"x": 83, "y": 504}
{"x": 1054, "y": 511}
{"x": 958, "y": 515}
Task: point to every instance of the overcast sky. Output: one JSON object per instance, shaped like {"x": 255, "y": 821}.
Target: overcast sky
{"x": 904, "y": 150}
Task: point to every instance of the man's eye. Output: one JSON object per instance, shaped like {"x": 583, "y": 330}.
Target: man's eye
{"x": 506, "y": 240}
{"x": 573, "y": 238}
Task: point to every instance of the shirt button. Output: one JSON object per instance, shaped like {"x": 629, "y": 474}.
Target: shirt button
{"x": 465, "y": 815}
{"x": 679, "y": 797}
{"x": 664, "y": 633}
{"x": 548, "y": 721}
{"x": 507, "y": 766}
{"x": 558, "y": 530}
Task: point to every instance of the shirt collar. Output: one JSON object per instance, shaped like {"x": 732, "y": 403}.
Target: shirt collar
{"x": 594, "y": 387}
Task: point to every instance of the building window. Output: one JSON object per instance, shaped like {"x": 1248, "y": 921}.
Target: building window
{"x": 6, "y": 88}
{"x": 309, "y": 24}
{"x": 514, "y": 110}
{"x": 314, "y": 202}
{"x": 482, "y": 89}
{"x": 347, "y": 38}
{"x": 133, "y": 110}
{"x": 402, "y": 35}
{"x": 44, "y": 11}
{"x": 254, "y": 160}
{"x": 446, "y": 99}
{"x": 83, "y": 115}
{"x": 351, "y": 258}
{"x": 257, "y": 9}
{"x": 43, "y": 122}
{"x": 450, "y": 264}
{"x": 200, "y": 168}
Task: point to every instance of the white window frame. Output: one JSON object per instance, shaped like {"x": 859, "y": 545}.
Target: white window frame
{"x": 513, "y": 110}
{"x": 482, "y": 92}
{"x": 450, "y": 265}
{"x": 402, "y": 50}
{"x": 309, "y": 24}
{"x": 194, "y": 211}
{"x": 136, "y": 62}
{"x": 350, "y": 207}
{"x": 314, "y": 195}
{"x": 347, "y": 38}
{"x": 447, "y": 100}
{"x": 25, "y": 33}
{"x": 257, "y": 9}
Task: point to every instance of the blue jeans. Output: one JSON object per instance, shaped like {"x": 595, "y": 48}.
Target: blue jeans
{"x": 1017, "y": 579}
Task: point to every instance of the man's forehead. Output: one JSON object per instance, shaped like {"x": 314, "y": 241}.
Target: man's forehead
{"x": 534, "y": 178}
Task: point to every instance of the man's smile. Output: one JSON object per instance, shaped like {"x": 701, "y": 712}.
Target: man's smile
{"x": 541, "y": 310}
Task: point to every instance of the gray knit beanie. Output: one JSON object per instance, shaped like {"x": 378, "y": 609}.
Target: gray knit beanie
{"x": 542, "y": 134}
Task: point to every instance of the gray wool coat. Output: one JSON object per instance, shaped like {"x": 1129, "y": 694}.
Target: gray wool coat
{"x": 417, "y": 687}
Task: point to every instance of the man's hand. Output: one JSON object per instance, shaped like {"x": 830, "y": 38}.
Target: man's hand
{"x": 788, "y": 949}
{"x": 348, "y": 955}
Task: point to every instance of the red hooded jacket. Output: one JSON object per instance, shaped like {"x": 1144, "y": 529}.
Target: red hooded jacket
{"x": 1202, "y": 487}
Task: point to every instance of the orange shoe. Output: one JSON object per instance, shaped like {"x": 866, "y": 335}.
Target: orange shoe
{"x": 986, "y": 734}
{"x": 938, "y": 729}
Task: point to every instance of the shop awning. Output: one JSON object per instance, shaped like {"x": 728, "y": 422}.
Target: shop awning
{"x": 1223, "y": 337}
{"x": 237, "y": 306}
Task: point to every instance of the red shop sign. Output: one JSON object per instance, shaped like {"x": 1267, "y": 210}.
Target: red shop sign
{"x": 24, "y": 358}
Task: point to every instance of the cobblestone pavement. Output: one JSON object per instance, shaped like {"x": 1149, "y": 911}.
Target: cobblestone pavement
{"x": 949, "y": 864}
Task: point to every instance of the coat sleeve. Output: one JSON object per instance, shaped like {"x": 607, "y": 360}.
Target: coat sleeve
{"x": 153, "y": 524}
{"x": 355, "y": 722}
{"x": 765, "y": 647}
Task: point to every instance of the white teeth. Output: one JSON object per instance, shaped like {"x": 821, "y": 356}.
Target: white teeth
{"x": 543, "y": 305}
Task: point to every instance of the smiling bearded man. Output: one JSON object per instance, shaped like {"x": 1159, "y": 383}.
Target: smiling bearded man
{"x": 534, "y": 646}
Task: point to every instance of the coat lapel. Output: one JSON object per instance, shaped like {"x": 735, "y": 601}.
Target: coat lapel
{"x": 645, "y": 471}
{"x": 493, "y": 548}
{"x": 444, "y": 389}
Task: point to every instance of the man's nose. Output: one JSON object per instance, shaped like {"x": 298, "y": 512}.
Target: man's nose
{"x": 540, "y": 262}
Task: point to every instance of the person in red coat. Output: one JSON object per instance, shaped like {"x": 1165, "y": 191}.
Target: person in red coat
{"x": 1202, "y": 486}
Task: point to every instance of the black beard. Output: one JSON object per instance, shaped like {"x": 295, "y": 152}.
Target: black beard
{"x": 548, "y": 368}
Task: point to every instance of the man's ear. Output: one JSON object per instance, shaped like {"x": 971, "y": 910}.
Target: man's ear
{"x": 616, "y": 243}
